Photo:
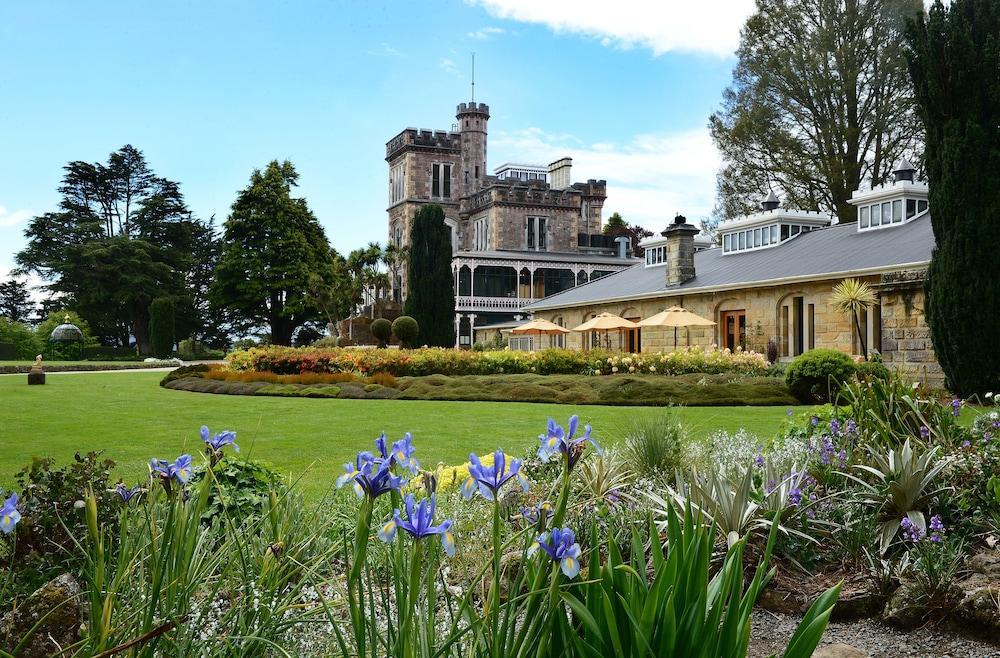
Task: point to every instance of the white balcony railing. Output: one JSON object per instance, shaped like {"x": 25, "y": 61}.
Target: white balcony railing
{"x": 488, "y": 304}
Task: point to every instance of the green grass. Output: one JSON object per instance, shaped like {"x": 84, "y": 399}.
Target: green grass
{"x": 131, "y": 418}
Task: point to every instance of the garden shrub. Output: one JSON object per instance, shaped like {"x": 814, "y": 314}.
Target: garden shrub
{"x": 817, "y": 375}
{"x": 241, "y": 490}
{"x": 653, "y": 444}
{"x": 161, "y": 327}
{"x": 20, "y": 341}
{"x": 198, "y": 370}
{"x": 325, "y": 341}
{"x": 384, "y": 379}
{"x": 382, "y": 331}
{"x": 406, "y": 330}
{"x": 871, "y": 370}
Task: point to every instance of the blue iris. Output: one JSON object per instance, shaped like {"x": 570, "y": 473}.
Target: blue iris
{"x": 179, "y": 470}
{"x": 489, "y": 479}
{"x": 373, "y": 475}
{"x": 419, "y": 523}
{"x": 402, "y": 452}
{"x": 9, "y": 516}
{"x": 560, "y": 545}
{"x": 218, "y": 441}
{"x": 126, "y": 494}
{"x": 556, "y": 441}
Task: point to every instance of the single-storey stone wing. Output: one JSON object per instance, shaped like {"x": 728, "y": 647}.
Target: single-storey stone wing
{"x": 772, "y": 277}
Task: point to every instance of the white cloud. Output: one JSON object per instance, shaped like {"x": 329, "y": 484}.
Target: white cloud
{"x": 650, "y": 177}
{"x": 485, "y": 33}
{"x": 384, "y": 50}
{"x": 707, "y": 27}
{"x": 13, "y": 218}
{"x": 448, "y": 66}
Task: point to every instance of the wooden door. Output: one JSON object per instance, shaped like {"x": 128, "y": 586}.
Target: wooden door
{"x": 734, "y": 329}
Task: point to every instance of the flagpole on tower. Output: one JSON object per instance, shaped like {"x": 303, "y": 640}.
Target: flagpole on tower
{"x": 473, "y": 77}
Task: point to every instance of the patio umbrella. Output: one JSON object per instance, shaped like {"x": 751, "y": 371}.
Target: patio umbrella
{"x": 606, "y": 322}
{"x": 676, "y": 316}
{"x": 540, "y": 327}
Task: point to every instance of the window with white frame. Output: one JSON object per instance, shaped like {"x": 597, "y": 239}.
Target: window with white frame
{"x": 397, "y": 185}
{"x": 655, "y": 255}
{"x": 441, "y": 181}
{"x": 481, "y": 234}
{"x": 536, "y": 233}
{"x": 889, "y": 213}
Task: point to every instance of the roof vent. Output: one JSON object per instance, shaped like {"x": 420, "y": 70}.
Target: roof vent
{"x": 904, "y": 171}
{"x": 771, "y": 202}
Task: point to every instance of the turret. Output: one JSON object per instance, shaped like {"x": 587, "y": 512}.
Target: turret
{"x": 472, "y": 119}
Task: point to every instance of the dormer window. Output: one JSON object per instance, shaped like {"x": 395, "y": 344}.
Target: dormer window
{"x": 655, "y": 254}
{"x": 893, "y": 203}
{"x": 768, "y": 228}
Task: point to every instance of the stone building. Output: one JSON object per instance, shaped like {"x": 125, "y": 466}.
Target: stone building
{"x": 771, "y": 279}
{"x": 518, "y": 235}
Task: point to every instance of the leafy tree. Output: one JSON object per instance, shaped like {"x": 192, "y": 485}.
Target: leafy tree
{"x": 616, "y": 227}
{"x": 15, "y": 301}
{"x": 121, "y": 237}
{"x": 161, "y": 326}
{"x": 396, "y": 258}
{"x": 272, "y": 247}
{"x": 954, "y": 56}
{"x": 820, "y": 101}
{"x": 431, "y": 297}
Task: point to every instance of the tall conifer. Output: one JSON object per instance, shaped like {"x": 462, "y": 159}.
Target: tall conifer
{"x": 431, "y": 296}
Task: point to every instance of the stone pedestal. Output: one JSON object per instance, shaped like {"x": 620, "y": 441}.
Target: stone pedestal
{"x": 36, "y": 376}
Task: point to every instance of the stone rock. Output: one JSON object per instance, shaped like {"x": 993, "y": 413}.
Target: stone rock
{"x": 781, "y": 602}
{"x": 986, "y": 563}
{"x": 857, "y": 605}
{"x": 981, "y": 607}
{"x": 839, "y": 651}
{"x": 59, "y": 630}
{"x": 901, "y": 610}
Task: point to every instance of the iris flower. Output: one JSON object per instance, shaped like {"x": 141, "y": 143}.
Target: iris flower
{"x": 402, "y": 452}
{"x": 127, "y": 494}
{"x": 556, "y": 440}
{"x": 179, "y": 470}
{"x": 372, "y": 476}
{"x": 560, "y": 545}
{"x": 9, "y": 516}
{"x": 489, "y": 479}
{"x": 538, "y": 515}
{"x": 215, "y": 443}
{"x": 419, "y": 524}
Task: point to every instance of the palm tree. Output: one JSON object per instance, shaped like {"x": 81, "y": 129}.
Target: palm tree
{"x": 853, "y": 296}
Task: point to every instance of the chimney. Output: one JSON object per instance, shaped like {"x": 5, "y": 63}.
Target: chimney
{"x": 624, "y": 246}
{"x": 680, "y": 251}
{"x": 559, "y": 173}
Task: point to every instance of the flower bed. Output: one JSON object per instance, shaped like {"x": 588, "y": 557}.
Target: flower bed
{"x": 437, "y": 361}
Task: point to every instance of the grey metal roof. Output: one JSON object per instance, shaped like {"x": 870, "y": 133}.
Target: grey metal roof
{"x": 552, "y": 256}
{"x": 824, "y": 253}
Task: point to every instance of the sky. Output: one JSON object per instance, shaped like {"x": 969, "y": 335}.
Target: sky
{"x": 211, "y": 90}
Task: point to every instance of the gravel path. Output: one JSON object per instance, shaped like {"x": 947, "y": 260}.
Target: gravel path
{"x": 771, "y": 633}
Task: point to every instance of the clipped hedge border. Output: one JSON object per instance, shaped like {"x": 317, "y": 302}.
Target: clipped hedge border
{"x": 617, "y": 390}
{"x": 86, "y": 367}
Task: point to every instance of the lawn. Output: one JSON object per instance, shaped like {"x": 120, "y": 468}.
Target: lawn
{"x": 131, "y": 418}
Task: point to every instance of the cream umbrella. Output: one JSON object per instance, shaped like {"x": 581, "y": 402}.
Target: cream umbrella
{"x": 540, "y": 327}
{"x": 676, "y": 316}
{"x": 606, "y": 322}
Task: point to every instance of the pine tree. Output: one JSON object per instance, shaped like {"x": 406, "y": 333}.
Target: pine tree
{"x": 431, "y": 298}
{"x": 954, "y": 57}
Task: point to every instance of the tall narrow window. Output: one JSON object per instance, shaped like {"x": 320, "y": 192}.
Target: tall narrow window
{"x": 531, "y": 232}
{"x": 863, "y": 216}
{"x": 785, "y": 331}
{"x": 798, "y": 333}
{"x": 536, "y": 233}
{"x": 441, "y": 181}
{"x": 542, "y": 234}
{"x": 435, "y": 180}
{"x": 811, "y": 315}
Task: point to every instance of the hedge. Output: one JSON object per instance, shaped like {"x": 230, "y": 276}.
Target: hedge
{"x": 441, "y": 361}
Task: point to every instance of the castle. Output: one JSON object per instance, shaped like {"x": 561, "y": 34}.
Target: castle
{"x": 518, "y": 235}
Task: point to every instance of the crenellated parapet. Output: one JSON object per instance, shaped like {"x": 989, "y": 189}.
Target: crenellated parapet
{"x": 423, "y": 139}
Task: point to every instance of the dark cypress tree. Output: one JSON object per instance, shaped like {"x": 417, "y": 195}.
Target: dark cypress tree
{"x": 431, "y": 297}
{"x": 954, "y": 57}
{"x": 161, "y": 326}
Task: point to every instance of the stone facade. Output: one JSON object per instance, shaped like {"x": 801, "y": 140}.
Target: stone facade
{"x": 896, "y": 327}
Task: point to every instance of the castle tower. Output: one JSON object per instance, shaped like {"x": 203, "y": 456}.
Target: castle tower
{"x": 472, "y": 118}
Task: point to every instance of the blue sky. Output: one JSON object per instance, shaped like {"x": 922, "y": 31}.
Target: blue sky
{"x": 211, "y": 90}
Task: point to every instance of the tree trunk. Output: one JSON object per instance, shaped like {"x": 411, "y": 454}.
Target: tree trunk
{"x": 281, "y": 331}
{"x": 139, "y": 318}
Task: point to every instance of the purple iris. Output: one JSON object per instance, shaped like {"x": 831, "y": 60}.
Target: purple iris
{"x": 372, "y": 476}
{"x": 759, "y": 459}
{"x": 936, "y": 523}
{"x": 419, "y": 523}
{"x": 852, "y": 427}
{"x": 557, "y": 440}
{"x": 925, "y": 432}
{"x": 215, "y": 443}
{"x": 537, "y": 515}
{"x": 560, "y": 545}
{"x": 489, "y": 479}
{"x": 9, "y": 516}
{"x": 834, "y": 426}
{"x": 126, "y": 494}
{"x": 179, "y": 470}
{"x": 911, "y": 530}
{"x": 956, "y": 407}
{"x": 814, "y": 421}
{"x": 402, "y": 451}
{"x": 795, "y": 497}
